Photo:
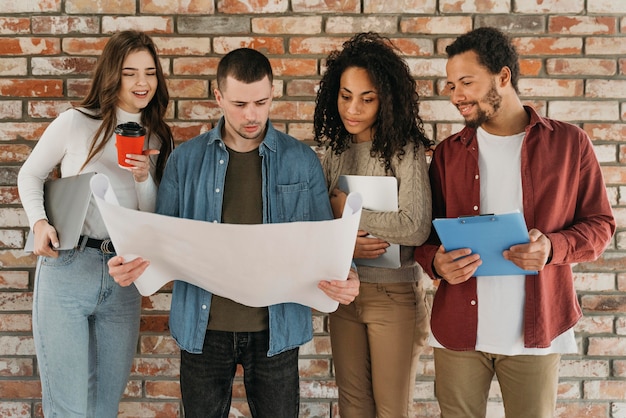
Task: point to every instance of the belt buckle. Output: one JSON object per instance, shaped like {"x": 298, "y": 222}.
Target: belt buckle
{"x": 104, "y": 246}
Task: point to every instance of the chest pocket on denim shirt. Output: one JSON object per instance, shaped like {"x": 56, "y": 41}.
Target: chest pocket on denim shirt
{"x": 292, "y": 202}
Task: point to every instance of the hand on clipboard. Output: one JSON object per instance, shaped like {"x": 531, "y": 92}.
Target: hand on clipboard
{"x": 487, "y": 245}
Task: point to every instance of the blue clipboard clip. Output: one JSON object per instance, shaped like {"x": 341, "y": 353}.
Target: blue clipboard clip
{"x": 487, "y": 235}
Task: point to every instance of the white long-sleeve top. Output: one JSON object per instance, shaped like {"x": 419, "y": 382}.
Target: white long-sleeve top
{"x": 67, "y": 141}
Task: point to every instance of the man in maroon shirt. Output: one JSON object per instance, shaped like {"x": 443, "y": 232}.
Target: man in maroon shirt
{"x": 508, "y": 158}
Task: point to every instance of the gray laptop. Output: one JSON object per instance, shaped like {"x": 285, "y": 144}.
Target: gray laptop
{"x": 66, "y": 201}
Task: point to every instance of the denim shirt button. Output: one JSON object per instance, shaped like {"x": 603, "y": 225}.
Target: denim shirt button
{"x": 221, "y": 161}
{"x": 203, "y": 307}
{"x": 217, "y": 190}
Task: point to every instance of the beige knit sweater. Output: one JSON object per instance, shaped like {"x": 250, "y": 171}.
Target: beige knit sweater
{"x": 409, "y": 226}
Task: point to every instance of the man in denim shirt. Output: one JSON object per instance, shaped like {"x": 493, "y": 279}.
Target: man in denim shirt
{"x": 243, "y": 171}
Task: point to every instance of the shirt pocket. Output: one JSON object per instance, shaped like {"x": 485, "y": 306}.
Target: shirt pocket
{"x": 293, "y": 202}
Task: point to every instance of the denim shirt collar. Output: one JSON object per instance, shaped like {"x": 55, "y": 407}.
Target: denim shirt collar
{"x": 269, "y": 142}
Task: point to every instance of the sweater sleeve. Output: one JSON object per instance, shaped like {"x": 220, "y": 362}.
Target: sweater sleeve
{"x": 46, "y": 155}
{"x": 411, "y": 224}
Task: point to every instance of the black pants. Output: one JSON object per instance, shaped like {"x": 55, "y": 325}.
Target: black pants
{"x": 271, "y": 383}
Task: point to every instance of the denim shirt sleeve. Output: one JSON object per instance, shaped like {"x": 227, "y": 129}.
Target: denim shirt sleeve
{"x": 293, "y": 190}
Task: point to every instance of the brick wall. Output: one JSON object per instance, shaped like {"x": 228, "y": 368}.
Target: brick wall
{"x": 574, "y": 69}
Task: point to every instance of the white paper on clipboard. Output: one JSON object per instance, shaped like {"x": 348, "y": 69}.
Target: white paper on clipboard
{"x": 379, "y": 193}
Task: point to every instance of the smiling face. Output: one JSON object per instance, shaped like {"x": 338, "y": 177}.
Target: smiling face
{"x": 473, "y": 89}
{"x": 138, "y": 82}
{"x": 358, "y": 103}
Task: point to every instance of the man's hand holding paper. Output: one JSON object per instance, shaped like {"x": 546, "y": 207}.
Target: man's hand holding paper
{"x": 276, "y": 271}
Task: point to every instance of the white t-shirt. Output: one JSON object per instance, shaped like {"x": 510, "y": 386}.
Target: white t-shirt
{"x": 67, "y": 140}
{"x": 501, "y": 298}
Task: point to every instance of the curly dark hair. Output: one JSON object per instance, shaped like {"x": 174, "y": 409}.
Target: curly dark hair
{"x": 494, "y": 49}
{"x": 397, "y": 123}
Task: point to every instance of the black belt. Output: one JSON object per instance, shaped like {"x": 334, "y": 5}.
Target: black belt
{"x": 104, "y": 245}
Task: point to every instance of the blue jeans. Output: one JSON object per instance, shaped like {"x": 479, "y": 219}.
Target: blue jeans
{"x": 85, "y": 328}
{"x": 271, "y": 383}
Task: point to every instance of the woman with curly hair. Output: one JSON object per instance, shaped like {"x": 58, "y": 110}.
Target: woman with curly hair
{"x": 367, "y": 115}
{"x": 85, "y": 326}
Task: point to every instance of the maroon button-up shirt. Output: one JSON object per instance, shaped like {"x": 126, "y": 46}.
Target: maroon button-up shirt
{"x": 564, "y": 197}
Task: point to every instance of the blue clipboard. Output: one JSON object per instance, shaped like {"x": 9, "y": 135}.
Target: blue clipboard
{"x": 487, "y": 235}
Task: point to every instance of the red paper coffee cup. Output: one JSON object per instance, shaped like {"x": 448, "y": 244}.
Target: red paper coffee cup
{"x": 129, "y": 139}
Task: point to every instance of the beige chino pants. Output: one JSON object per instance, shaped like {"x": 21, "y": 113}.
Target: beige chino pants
{"x": 528, "y": 383}
{"x": 376, "y": 343}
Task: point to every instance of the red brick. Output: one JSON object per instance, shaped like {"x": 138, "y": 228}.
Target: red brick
{"x": 594, "y": 324}
{"x": 581, "y": 66}
{"x": 13, "y": 279}
{"x": 176, "y": 7}
{"x": 188, "y": 88}
{"x": 195, "y": 66}
{"x": 84, "y": 46}
{"x": 40, "y": 6}
{"x": 13, "y": 66}
{"x": 549, "y": 6}
{"x": 151, "y": 409}
{"x": 267, "y": 45}
{"x": 530, "y": 67}
{"x": 252, "y": 6}
{"x": 606, "y": 88}
{"x": 604, "y": 303}
{"x": 100, "y": 7}
{"x": 317, "y": 45}
{"x": 580, "y": 409}
{"x": 15, "y": 367}
{"x": 62, "y": 25}
{"x": 356, "y": 24}
{"x": 20, "y": 389}
{"x": 10, "y": 109}
{"x": 29, "y": 46}
{"x": 48, "y": 109}
{"x": 314, "y": 368}
{"x": 288, "y": 24}
{"x": 63, "y": 65}
{"x": 154, "y": 323}
{"x": 158, "y": 389}
{"x": 8, "y": 196}
{"x": 163, "y": 367}
{"x": 78, "y": 88}
{"x": 292, "y": 110}
{"x": 587, "y": 25}
{"x": 606, "y": 6}
{"x": 552, "y": 45}
{"x": 605, "y": 46}
{"x": 14, "y": 25}
{"x": 605, "y": 390}
{"x": 198, "y": 110}
{"x": 404, "y": 6}
{"x": 285, "y": 67}
{"x": 150, "y": 24}
{"x": 606, "y": 131}
{"x": 161, "y": 344}
{"x": 414, "y": 47}
{"x": 31, "y": 88}
{"x": 584, "y": 111}
{"x": 551, "y": 87}
{"x": 437, "y": 25}
{"x": 325, "y": 6}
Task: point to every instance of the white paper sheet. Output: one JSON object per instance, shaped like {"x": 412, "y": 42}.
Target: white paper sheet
{"x": 256, "y": 265}
{"x": 378, "y": 193}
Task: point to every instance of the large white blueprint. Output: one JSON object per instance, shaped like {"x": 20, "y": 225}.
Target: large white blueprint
{"x": 256, "y": 265}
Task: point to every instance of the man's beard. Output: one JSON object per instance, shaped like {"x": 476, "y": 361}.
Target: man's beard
{"x": 493, "y": 99}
